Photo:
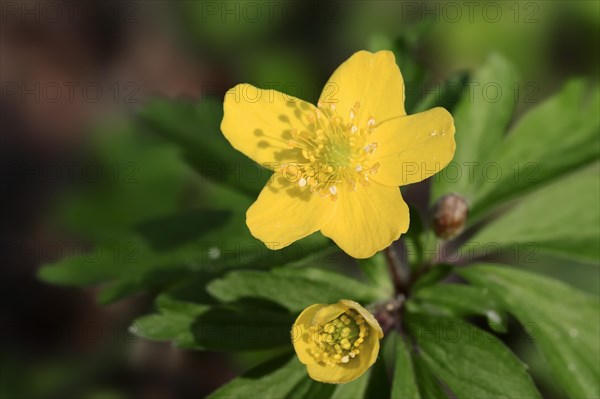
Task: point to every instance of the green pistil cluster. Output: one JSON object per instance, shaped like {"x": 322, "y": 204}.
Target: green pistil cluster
{"x": 338, "y": 341}
{"x": 336, "y": 153}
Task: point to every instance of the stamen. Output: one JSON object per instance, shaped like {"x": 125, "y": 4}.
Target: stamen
{"x": 338, "y": 341}
{"x": 371, "y": 148}
{"x": 335, "y": 153}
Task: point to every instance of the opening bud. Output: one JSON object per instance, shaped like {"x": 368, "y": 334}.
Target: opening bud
{"x": 449, "y": 216}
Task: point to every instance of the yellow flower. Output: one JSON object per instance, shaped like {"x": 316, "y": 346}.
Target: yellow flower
{"x": 338, "y": 342}
{"x": 338, "y": 165}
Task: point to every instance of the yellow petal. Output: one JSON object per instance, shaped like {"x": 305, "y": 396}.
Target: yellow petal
{"x": 413, "y": 148}
{"x": 341, "y": 374}
{"x": 258, "y": 123}
{"x": 369, "y": 350}
{"x": 372, "y": 80}
{"x": 284, "y": 213}
{"x": 330, "y": 312}
{"x": 367, "y": 220}
{"x": 369, "y": 318}
{"x": 332, "y": 375}
{"x": 301, "y": 338}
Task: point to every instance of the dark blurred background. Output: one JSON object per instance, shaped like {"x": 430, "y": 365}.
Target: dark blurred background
{"x": 69, "y": 66}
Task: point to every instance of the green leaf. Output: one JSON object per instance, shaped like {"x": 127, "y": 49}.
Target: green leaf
{"x": 223, "y": 328}
{"x": 274, "y": 379}
{"x": 293, "y": 288}
{"x": 133, "y": 178}
{"x": 151, "y": 280}
{"x": 481, "y": 119}
{"x": 561, "y": 218}
{"x": 165, "y": 250}
{"x": 129, "y": 264}
{"x": 379, "y": 384}
{"x": 429, "y": 386}
{"x": 354, "y": 389}
{"x": 470, "y": 361}
{"x": 436, "y": 274}
{"x": 172, "y": 231}
{"x": 376, "y": 270}
{"x": 554, "y": 138}
{"x": 311, "y": 389}
{"x": 101, "y": 261}
{"x": 170, "y": 326}
{"x": 164, "y": 327}
{"x": 219, "y": 328}
{"x": 459, "y": 300}
{"x": 405, "y": 47}
{"x": 404, "y": 383}
{"x": 415, "y": 239}
{"x": 195, "y": 127}
{"x": 563, "y": 322}
{"x": 445, "y": 94}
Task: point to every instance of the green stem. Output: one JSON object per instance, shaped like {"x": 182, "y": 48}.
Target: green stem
{"x": 394, "y": 267}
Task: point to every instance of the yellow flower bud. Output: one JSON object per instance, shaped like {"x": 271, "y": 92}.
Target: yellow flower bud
{"x": 346, "y": 327}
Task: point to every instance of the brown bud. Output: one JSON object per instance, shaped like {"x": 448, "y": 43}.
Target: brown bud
{"x": 450, "y": 216}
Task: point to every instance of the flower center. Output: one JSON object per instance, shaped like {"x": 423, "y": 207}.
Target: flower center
{"x": 338, "y": 341}
{"x": 335, "y": 153}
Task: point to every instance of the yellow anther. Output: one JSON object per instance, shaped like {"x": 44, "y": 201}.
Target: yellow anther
{"x": 336, "y": 154}
{"x": 337, "y": 340}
